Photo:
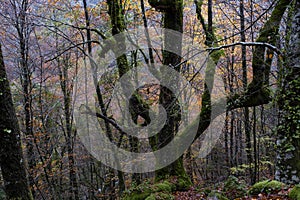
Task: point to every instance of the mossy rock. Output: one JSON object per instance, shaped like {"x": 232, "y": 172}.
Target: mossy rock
{"x": 295, "y": 193}
{"x": 216, "y": 195}
{"x": 143, "y": 191}
{"x": 266, "y": 186}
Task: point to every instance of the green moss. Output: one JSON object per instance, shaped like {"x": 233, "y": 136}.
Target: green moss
{"x": 269, "y": 33}
{"x": 288, "y": 129}
{"x": 266, "y": 186}
{"x": 151, "y": 197}
{"x": 183, "y": 184}
{"x": 254, "y": 96}
{"x": 165, "y": 196}
{"x": 136, "y": 196}
{"x": 216, "y": 55}
{"x": 164, "y": 186}
{"x": 160, "y": 195}
{"x": 143, "y": 191}
{"x": 183, "y": 180}
{"x": 295, "y": 193}
{"x": 139, "y": 192}
{"x": 233, "y": 188}
{"x": 177, "y": 176}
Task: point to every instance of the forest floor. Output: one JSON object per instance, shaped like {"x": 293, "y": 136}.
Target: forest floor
{"x": 196, "y": 194}
{"x": 230, "y": 189}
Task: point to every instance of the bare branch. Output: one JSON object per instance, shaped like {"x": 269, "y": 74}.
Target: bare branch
{"x": 69, "y": 48}
{"x": 265, "y": 44}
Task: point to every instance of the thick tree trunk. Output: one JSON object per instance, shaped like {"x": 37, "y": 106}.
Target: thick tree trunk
{"x": 288, "y": 131}
{"x": 173, "y": 19}
{"x": 11, "y": 157}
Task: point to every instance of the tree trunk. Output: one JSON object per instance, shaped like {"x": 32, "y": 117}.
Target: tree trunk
{"x": 173, "y": 19}
{"x": 66, "y": 88}
{"x": 257, "y": 92}
{"x": 11, "y": 157}
{"x": 137, "y": 106}
{"x": 245, "y": 81}
{"x": 23, "y": 29}
{"x": 288, "y": 130}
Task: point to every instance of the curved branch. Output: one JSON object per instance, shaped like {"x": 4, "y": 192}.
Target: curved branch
{"x": 263, "y": 44}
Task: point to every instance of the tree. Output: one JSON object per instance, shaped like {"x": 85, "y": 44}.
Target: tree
{"x": 11, "y": 156}
{"x": 173, "y": 19}
{"x": 70, "y": 135}
{"x": 20, "y": 21}
{"x": 288, "y": 130}
{"x": 45, "y": 41}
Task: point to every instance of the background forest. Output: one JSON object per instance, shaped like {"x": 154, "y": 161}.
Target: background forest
{"x": 254, "y": 46}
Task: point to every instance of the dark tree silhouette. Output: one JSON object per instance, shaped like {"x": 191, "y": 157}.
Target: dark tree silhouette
{"x": 11, "y": 157}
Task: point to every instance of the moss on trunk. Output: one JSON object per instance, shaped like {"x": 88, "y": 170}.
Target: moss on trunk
{"x": 257, "y": 92}
{"x": 288, "y": 130}
{"x": 269, "y": 33}
{"x": 173, "y": 19}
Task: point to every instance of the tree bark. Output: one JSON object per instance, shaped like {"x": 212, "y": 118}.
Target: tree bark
{"x": 137, "y": 106}
{"x": 173, "y": 19}
{"x": 288, "y": 130}
{"x": 11, "y": 157}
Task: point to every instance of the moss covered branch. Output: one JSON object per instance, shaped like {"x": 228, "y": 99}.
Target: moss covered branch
{"x": 257, "y": 92}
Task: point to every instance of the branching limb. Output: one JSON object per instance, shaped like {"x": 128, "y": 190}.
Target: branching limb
{"x": 263, "y": 44}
